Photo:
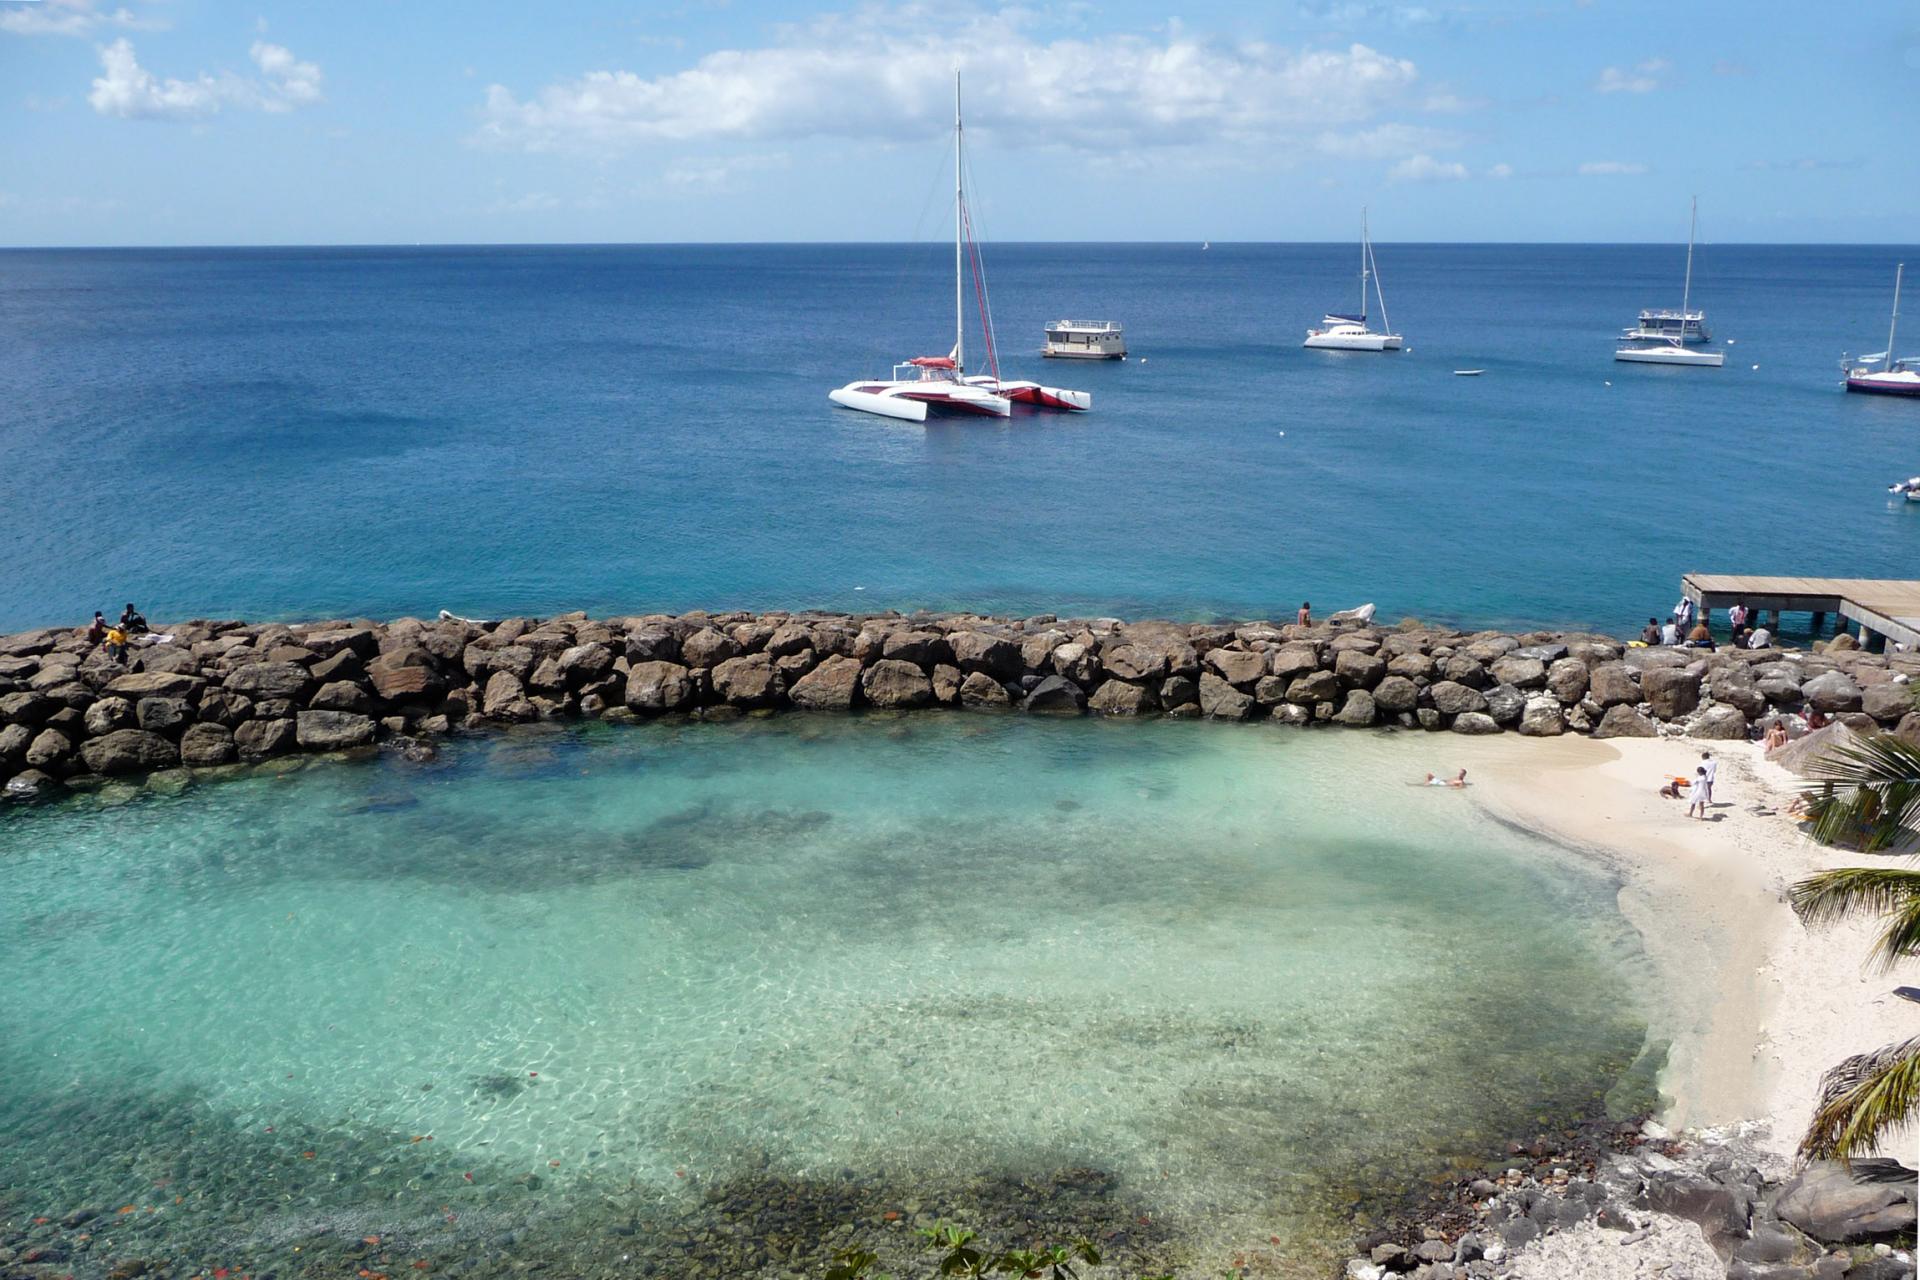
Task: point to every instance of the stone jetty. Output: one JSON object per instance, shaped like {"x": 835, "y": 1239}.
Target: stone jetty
{"x": 221, "y": 692}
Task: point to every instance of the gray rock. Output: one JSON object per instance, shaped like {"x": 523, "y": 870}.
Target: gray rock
{"x": 1412, "y": 666}
{"x": 1475, "y": 723}
{"x": 344, "y": 695}
{"x": 1450, "y": 697}
{"x": 1076, "y": 662}
{"x": 1056, "y": 695}
{"x": 981, "y": 692}
{"x": 896, "y": 683}
{"x": 1542, "y": 717}
{"x": 707, "y": 647}
{"x": 1134, "y": 662}
{"x": 1780, "y": 690}
{"x": 1671, "y": 692}
{"x": 28, "y": 787}
{"x": 1718, "y": 722}
{"x": 48, "y": 750}
{"x": 1520, "y": 672}
{"x": 921, "y": 648}
{"x": 1221, "y": 701}
{"x": 259, "y": 739}
{"x": 163, "y": 715}
{"x": 26, "y": 707}
{"x": 503, "y": 698}
{"x": 1611, "y": 685}
{"x": 108, "y": 714}
{"x": 1176, "y": 690}
{"x": 129, "y": 751}
{"x": 831, "y": 686}
{"x": 582, "y": 664}
{"x": 789, "y": 637}
{"x": 1309, "y": 690}
{"x": 654, "y": 687}
{"x": 14, "y": 741}
{"x": 1506, "y": 704}
{"x": 1567, "y": 680}
{"x": 1459, "y": 668}
{"x": 1395, "y": 694}
{"x": 1836, "y": 1207}
{"x": 1123, "y": 698}
{"x": 1622, "y": 721}
{"x": 652, "y": 643}
{"x": 204, "y": 745}
{"x": 1358, "y": 711}
{"x": 1831, "y": 691}
{"x": 1888, "y": 702}
{"x": 335, "y": 730}
{"x": 1359, "y": 670}
{"x": 156, "y": 684}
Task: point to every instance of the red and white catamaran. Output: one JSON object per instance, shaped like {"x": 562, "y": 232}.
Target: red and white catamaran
{"x": 941, "y": 384}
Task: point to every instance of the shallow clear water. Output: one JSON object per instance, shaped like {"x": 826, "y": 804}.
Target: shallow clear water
{"x": 377, "y": 432}
{"x": 623, "y": 983}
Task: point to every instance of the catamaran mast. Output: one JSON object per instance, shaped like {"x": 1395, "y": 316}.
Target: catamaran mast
{"x": 1898, "y": 271}
{"x": 1363, "y": 264}
{"x": 959, "y": 218}
{"x": 1686, "y": 292}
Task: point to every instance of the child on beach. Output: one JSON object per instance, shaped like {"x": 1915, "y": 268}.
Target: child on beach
{"x": 1699, "y": 793}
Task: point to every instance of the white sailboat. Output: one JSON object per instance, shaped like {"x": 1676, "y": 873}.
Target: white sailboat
{"x": 1893, "y": 377}
{"x": 1350, "y": 333}
{"x": 941, "y": 384}
{"x": 1673, "y": 350}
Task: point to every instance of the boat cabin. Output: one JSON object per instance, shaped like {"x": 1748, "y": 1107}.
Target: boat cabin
{"x": 1085, "y": 340}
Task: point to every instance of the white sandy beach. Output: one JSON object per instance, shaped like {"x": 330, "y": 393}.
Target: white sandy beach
{"x": 1758, "y": 1005}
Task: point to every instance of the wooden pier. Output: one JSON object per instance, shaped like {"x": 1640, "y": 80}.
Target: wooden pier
{"x": 1887, "y": 608}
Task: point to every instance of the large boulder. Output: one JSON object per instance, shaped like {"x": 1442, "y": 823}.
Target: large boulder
{"x": 1567, "y": 680}
{"x": 1452, "y": 698}
{"x": 582, "y": 664}
{"x": 707, "y": 647}
{"x": 1733, "y": 684}
{"x": 406, "y": 673}
{"x": 1076, "y": 662}
{"x": 1161, "y": 648}
{"x": 163, "y": 715}
{"x": 747, "y": 681}
{"x": 789, "y": 637}
{"x": 1718, "y": 721}
{"x": 261, "y": 680}
{"x": 1542, "y": 717}
{"x": 334, "y": 730}
{"x": 1237, "y": 666}
{"x": 895, "y": 683}
{"x": 14, "y": 741}
{"x": 205, "y": 745}
{"x": 49, "y": 750}
{"x": 26, "y": 707}
{"x": 921, "y": 648}
{"x": 653, "y": 687}
{"x": 1122, "y": 698}
{"x": 503, "y": 698}
{"x": 997, "y": 656}
{"x": 1309, "y": 690}
{"x": 1358, "y": 670}
{"x": 652, "y": 643}
{"x": 1056, "y": 696}
{"x": 1395, "y": 695}
{"x": 1412, "y": 666}
{"x": 1836, "y": 1207}
{"x": 1520, "y": 672}
{"x": 1291, "y": 660}
{"x": 482, "y": 660}
{"x": 1221, "y": 701}
{"x": 1505, "y": 704}
{"x": 981, "y": 692}
{"x": 129, "y": 751}
{"x": 1622, "y": 721}
{"x": 1358, "y": 711}
{"x": 1887, "y": 702}
{"x": 1134, "y": 662}
{"x": 156, "y": 684}
{"x": 344, "y": 695}
{"x": 259, "y": 739}
{"x": 1611, "y": 684}
{"x": 1831, "y": 691}
{"x": 1670, "y": 692}
{"x": 831, "y": 686}
{"x": 1461, "y": 668}
{"x": 1475, "y": 723}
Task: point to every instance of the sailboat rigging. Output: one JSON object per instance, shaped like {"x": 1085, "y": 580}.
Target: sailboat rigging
{"x": 1350, "y": 333}
{"x": 1644, "y": 347}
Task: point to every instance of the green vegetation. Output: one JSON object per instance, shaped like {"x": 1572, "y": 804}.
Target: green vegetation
{"x": 959, "y": 1255}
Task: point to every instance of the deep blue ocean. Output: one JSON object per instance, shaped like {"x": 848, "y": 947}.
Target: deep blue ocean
{"x": 345, "y": 431}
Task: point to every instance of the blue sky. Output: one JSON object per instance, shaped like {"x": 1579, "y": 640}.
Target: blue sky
{"x": 208, "y": 122}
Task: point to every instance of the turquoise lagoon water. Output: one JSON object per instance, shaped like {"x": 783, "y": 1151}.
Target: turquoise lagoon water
{"x": 630, "y": 997}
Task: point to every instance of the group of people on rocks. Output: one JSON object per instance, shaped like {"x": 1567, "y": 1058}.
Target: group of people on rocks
{"x": 1684, "y": 629}
{"x": 116, "y": 636}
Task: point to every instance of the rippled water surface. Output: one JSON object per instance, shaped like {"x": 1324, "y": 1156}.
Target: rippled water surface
{"x": 708, "y": 991}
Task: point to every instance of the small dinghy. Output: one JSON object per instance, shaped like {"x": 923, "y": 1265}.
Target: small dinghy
{"x": 1908, "y": 489}
{"x": 1468, "y": 373}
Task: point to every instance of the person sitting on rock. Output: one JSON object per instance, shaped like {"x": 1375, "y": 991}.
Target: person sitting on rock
{"x": 116, "y": 638}
{"x": 1700, "y": 637}
{"x": 131, "y": 621}
{"x": 1305, "y": 616}
{"x": 98, "y": 631}
{"x": 1776, "y": 736}
{"x": 1650, "y": 634}
{"x": 1760, "y": 639}
{"x": 1670, "y": 633}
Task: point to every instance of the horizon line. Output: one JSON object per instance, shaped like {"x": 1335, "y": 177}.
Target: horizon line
{"x": 774, "y": 244}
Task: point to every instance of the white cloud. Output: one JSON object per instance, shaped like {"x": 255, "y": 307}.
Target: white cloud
{"x": 128, "y": 90}
{"x": 1500, "y": 171}
{"x": 876, "y": 75}
{"x": 1424, "y": 168}
{"x": 1642, "y": 77}
{"x": 717, "y": 173}
{"x": 1384, "y": 141}
{"x": 69, "y": 18}
{"x": 1610, "y": 169}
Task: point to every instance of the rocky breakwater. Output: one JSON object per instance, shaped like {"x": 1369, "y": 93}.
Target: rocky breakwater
{"x": 221, "y": 693}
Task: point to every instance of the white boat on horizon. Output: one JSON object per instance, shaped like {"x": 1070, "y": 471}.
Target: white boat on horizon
{"x": 1896, "y": 377}
{"x": 927, "y": 384}
{"x": 1350, "y": 333}
{"x": 1671, "y": 348}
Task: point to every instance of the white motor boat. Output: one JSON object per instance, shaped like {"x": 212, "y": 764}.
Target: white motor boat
{"x": 941, "y": 384}
{"x": 1881, "y": 374}
{"x": 1665, "y": 322}
{"x": 1085, "y": 340}
{"x": 1340, "y": 332}
{"x": 1908, "y": 489}
{"x": 1665, "y": 348}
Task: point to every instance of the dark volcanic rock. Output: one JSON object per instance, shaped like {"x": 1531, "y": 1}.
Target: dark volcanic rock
{"x": 259, "y": 739}
{"x": 1671, "y": 692}
{"x": 1837, "y": 1207}
{"x": 831, "y": 686}
{"x": 981, "y": 692}
{"x": 333, "y": 730}
{"x": 1219, "y": 700}
{"x": 654, "y": 687}
{"x": 894, "y": 683}
{"x": 1056, "y": 695}
{"x": 997, "y": 656}
{"x": 747, "y": 681}
{"x": 1622, "y": 721}
{"x": 204, "y": 745}
{"x": 1123, "y": 698}
{"x": 129, "y": 751}
{"x": 263, "y": 680}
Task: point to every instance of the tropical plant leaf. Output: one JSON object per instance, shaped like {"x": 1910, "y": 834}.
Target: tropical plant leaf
{"x": 1881, "y": 806}
{"x": 1846, "y": 892}
{"x": 1862, "y": 1099}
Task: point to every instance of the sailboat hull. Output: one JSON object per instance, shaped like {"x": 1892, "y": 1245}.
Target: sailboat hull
{"x": 1032, "y": 393}
{"x": 915, "y": 401}
{"x": 1670, "y": 355}
{"x": 1885, "y": 384}
{"x": 1353, "y": 341}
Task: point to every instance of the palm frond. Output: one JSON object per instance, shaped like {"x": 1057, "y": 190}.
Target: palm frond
{"x": 1881, "y": 807}
{"x": 1861, "y": 1100}
{"x": 1846, "y": 892}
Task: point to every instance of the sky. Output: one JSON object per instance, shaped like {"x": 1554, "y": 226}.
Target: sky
{"x": 189, "y": 122}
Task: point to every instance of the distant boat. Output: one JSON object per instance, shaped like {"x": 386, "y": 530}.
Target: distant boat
{"x": 942, "y": 383}
{"x": 1085, "y": 340}
{"x": 1663, "y": 347}
{"x": 1908, "y": 489}
{"x": 1468, "y": 373}
{"x": 1350, "y": 333}
{"x": 1205, "y": 245}
{"x": 1895, "y": 377}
